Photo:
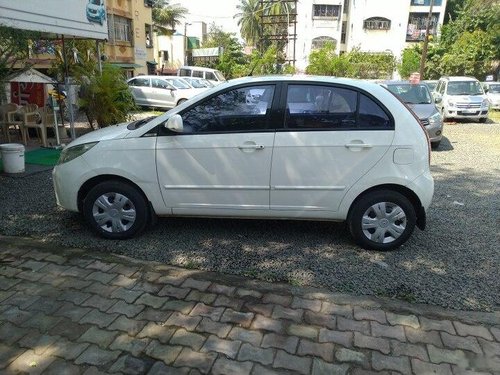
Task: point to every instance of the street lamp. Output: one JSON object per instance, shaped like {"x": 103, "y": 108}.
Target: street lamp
{"x": 186, "y": 24}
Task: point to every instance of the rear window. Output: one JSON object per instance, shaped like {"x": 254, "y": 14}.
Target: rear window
{"x": 185, "y": 72}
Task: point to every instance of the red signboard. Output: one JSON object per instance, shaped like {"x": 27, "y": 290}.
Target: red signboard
{"x": 23, "y": 93}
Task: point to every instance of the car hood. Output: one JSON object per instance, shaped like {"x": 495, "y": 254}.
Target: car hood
{"x": 495, "y": 95}
{"x": 467, "y": 98}
{"x": 423, "y": 111}
{"x": 104, "y": 134}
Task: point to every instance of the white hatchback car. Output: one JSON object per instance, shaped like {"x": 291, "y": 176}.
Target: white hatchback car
{"x": 310, "y": 148}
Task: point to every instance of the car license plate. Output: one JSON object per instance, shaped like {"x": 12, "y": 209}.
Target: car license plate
{"x": 470, "y": 111}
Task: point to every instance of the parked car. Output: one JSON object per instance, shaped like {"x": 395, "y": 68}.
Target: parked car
{"x": 461, "y": 97}
{"x": 197, "y": 83}
{"x": 419, "y": 99}
{"x": 96, "y": 11}
{"x": 492, "y": 90}
{"x": 160, "y": 91}
{"x": 212, "y": 75}
{"x": 431, "y": 84}
{"x": 311, "y": 148}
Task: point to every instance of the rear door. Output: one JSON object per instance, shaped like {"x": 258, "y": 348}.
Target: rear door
{"x": 141, "y": 90}
{"x": 333, "y": 135}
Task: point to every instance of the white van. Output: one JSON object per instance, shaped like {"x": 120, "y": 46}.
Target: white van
{"x": 211, "y": 75}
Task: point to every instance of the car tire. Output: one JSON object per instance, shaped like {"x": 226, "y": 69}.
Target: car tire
{"x": 116, "y": 220}
{"x": 435, "y": 145}
{"x": 381, "y": 220}
{"x": 483, "y": 120}
{"x": 181, "y": 101}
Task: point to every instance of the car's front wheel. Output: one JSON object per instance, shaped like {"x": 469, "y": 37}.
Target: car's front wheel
{"x": 382, "y": 220}
{"x": 115, "y": 210}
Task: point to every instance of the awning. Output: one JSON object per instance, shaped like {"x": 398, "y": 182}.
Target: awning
{"x": 126, "y": 65}
{"x": 32, "y": 76}
{"x": 151, "y": 62}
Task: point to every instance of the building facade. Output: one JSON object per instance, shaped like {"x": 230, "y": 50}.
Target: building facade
{"x": 383, "y": 26}
{"x": 130, "y": 30}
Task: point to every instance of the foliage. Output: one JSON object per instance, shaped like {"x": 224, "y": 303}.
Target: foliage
{"x": 410, "y": 61}
{"x": 469, "y": 43}
{"x": 354, "y": 64}
{"x": 167, "y": 17}
{"x": 232, "y": 59}
{"x": 264, "y": 24}
{"x": 14, "y": 53}
{"x": 267, "y": 63}
{"x": 81, "y": 56}
{"x": 106, "y": 97}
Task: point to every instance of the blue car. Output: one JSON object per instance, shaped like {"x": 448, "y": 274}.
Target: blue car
{"x": 96, "y": 11}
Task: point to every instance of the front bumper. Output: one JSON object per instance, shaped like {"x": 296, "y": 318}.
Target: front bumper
{"x": 466, "y": 114}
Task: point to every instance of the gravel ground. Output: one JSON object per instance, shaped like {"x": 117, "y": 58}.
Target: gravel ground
{"x": 454, "y": 263}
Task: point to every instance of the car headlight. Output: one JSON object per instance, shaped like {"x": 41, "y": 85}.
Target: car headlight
{"x": 71, "y": 153}
{"x": 435, "y": 118}
{"x": 485, "y": 103}
{"x": 451, "y": 103}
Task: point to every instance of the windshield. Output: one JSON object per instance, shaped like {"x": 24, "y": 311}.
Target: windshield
{"x": 464, "y": 88}
{"x": 195, "y": 83}
{"x": 494, "y": 89}
{"x": 95, "y": 2}
{"x": 411, "y": 94}
{"x": 431, "y": 85}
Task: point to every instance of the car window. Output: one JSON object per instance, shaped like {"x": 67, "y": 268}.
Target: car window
{"x": 139, "y": 82}
{"x": 160, "y": 84}
{"x": 371, "y": 115}
{"x": 232, "y": 111}
{"x": 185, "y": 72}
{"x": 411, "y": 93}
{"x": 464, "y": 88}
{"x": 210, "y": 76}
{"x": 197, "y": 73}
{"x": 178, "y": 83}
{"x": 320, "y": 107}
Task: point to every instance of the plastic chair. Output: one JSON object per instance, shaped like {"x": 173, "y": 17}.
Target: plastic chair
{"x": 7, "y": 118}
{"x": 43, "y": 119}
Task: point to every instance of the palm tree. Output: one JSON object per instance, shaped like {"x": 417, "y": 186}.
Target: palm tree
{"x": 166, "y": 16}
{"x": 250, "y": 20}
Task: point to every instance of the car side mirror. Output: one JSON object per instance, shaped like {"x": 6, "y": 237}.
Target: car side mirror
{"x": 175, "y": 124}
{"x": 438, "y": 99}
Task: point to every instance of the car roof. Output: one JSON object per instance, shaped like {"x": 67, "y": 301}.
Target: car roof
{"x": 458, "y": 78}
{"x": 401, "y": 83}
{"x": 198, "y": 68}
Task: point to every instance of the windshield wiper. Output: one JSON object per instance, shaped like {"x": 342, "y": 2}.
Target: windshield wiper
{"x": 137, "y": 124}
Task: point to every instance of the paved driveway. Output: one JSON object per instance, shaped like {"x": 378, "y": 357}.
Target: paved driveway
{"x": 72, "y": 311}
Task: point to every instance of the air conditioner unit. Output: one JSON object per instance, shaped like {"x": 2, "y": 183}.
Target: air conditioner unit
{"x": 149, "y": 3}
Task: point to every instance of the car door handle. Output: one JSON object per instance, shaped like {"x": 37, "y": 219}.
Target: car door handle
{"x": 358, "y": 145}
{"x": 251, "y": 147}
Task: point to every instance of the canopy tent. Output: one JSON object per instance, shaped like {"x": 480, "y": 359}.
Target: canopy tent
{"x": 75, "y": 18}
{"x": 32, "y": 76}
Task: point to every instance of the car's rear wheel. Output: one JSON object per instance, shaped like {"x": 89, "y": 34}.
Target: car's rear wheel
{"x": 115, "y": 210}
{"x": 181, "y": 101}
{"x": 382, "y": 220}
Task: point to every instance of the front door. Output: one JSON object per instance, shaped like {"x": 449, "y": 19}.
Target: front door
{"x": 332, "y": 137}
{"x": 162, "y": 93}
{"x": 220, "y": 163}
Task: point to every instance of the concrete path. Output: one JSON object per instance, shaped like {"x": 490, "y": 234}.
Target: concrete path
{"x": 72, "y": 311}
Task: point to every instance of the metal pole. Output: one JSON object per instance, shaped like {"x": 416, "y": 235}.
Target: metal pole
{"x": 426, "y": 41}
{"x": 99, "y": 63}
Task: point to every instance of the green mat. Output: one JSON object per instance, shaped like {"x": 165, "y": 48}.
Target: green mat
{"x": 41, "y": 156}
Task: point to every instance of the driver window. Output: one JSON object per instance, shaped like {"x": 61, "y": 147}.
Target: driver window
{"x": 242, "y": 109}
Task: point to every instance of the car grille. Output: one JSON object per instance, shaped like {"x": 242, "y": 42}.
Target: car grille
{"x": 468, "y": 105}
{"x": 460, "y": 113}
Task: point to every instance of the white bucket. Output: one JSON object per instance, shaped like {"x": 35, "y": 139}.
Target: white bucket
{"x": 12, "y": 157}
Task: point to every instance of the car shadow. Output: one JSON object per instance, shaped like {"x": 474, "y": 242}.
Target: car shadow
{"x": 445, "y": 145}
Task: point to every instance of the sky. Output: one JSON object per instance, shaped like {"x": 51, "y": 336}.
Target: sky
{"x": 219, "y": 11}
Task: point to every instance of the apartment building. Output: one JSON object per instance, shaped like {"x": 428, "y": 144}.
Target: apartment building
{"x": 130, "y": 30}
{"x": 385, "y": 26}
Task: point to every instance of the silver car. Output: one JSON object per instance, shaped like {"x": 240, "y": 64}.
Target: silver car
{"x": 160, "y": 91}
{"x": 419, "y": 99}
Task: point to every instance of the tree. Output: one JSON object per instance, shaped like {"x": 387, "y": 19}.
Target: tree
{"x": 410, "y": 61}
{"x": 232, "y": 60}
{"x": 14, "y": 53}
{"x": 249, "y": 21}
{"x": 469, "y": 43}
{"x": 167, "y": 17}
{"x": 106, "y": 97}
